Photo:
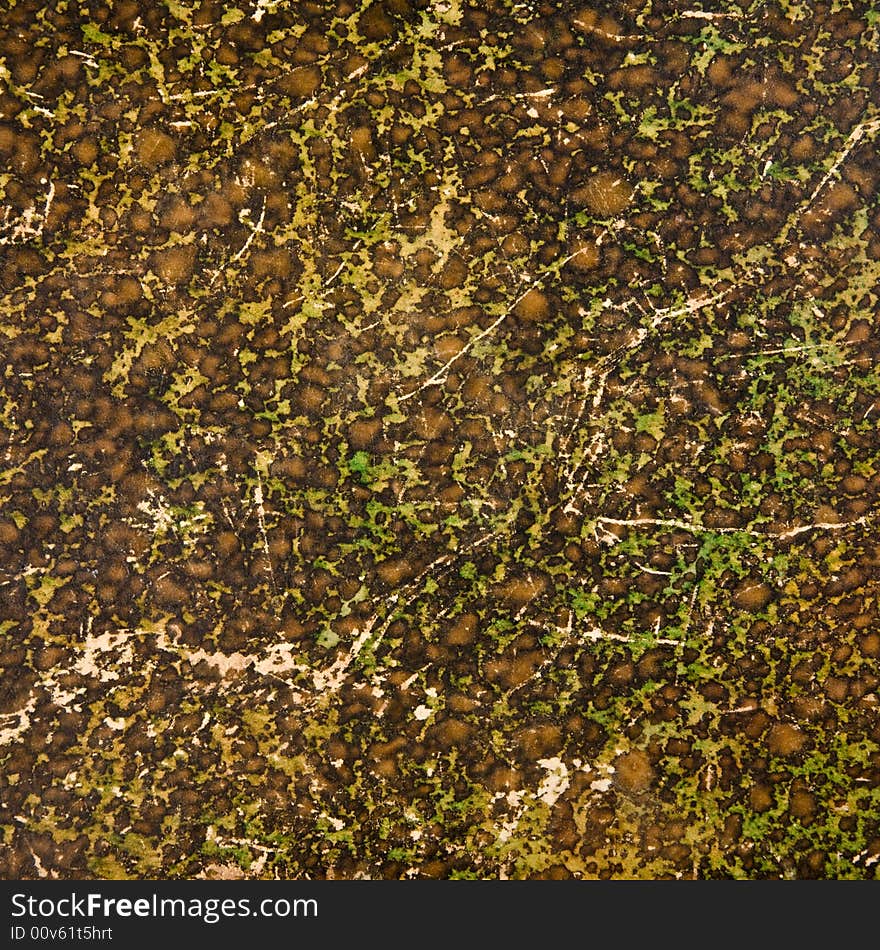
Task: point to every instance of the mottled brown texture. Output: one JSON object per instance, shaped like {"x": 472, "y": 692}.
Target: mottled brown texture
{"x": 439, "y": 440}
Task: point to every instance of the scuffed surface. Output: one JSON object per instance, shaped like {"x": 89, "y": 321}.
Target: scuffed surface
{"x": 439, "y": 441}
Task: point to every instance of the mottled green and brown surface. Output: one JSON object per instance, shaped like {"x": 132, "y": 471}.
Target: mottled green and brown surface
{"x": 439, "y": 440}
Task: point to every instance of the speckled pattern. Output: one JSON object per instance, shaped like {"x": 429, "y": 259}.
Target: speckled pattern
{"x": 439, "y": 440}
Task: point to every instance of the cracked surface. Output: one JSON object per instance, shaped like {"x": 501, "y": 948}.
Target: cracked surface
{"x": 439, "y": 440}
